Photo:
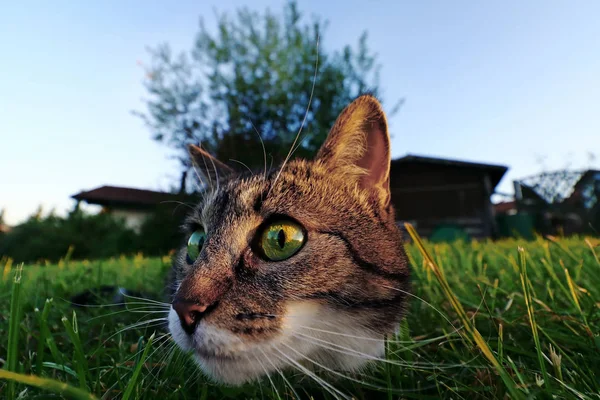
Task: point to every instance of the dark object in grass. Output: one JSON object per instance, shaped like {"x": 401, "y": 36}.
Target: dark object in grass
{"x": 104, "y": 295}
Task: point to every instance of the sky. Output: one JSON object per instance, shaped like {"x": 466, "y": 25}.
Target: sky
{"x": 512, "y": 83}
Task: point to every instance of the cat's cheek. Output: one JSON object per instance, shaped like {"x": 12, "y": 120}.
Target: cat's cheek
{"x": 177, "y": 333}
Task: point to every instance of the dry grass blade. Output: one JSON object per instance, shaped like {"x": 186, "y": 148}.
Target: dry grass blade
{"x": 469, "y": 327}
{"x": 525, "y": 283}
{"x": 48, "y": 384}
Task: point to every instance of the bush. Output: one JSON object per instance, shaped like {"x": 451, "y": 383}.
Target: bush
{"x": 49, "y": 238}
{"x": 160, "y": 232}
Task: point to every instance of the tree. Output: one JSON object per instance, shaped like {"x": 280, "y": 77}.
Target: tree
{"x": 250, "y": 85}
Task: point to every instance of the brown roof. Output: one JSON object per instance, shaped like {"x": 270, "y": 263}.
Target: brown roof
{"x": 505, "y": 206}
{"x": 113, "y": 195}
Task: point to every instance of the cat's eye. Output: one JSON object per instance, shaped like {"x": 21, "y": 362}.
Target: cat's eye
{"x": 281, "y": 240}
{"x": 195, "y": 243}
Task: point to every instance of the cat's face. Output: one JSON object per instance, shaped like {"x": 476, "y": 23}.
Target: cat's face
{"x": 296, "y": 268}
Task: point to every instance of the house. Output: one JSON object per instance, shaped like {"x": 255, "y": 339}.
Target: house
{"x": 436, "y": 194}
{"x": 506, "y": 208}
{"x": 586, "y": 191}
{"x": 561, "y": 202}
{"x": 133, "y": 205}
{"x": 4, "y": 228}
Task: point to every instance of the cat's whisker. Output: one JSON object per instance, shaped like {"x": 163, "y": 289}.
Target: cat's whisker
{"x": 162, "y": 362}
{"x": 179, "y": 203}
{"x": 280, "y": 372}
{"x": 132, "y": 311}
{"x": 177, "y": 356}
{"x": 216, "y": 173}
{"x": 263, "y": 147}
{"x": 166, "y": 344}
{"x": 335, "y": 324}
{"x": 424, "y": 302}
{"x": 430, "y": 340}
{"x": 134, "y": 355}
{"x": 312, "y": 91}
{"x": 198, "y": 186}
{"x": 330, "y": 388}
{"x": 156, "y": 340}
{"x": 146, "y": 324}
{"x": 266, "y": 372}
{"x": 247, "y": 167}
{"x": 340, "y": 374}
{"x": 193, "y": 379}
{"x": 106, "y": 305}
{"x": 205, "y": 169}
{"x": 352, "y": 352}
{"x": 146, "y": 300}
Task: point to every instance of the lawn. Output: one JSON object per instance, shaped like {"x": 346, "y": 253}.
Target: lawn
{"x": 506, "y": 319}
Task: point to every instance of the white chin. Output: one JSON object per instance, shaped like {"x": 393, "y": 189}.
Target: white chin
{"x": 229, "y": 371}
{"x": 234, "y": 361}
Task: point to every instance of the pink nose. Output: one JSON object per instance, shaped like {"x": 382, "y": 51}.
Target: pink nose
{"x": 190, "y": 313}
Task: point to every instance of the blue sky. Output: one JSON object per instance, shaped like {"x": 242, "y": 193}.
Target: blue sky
{"x": 500, "y": 82}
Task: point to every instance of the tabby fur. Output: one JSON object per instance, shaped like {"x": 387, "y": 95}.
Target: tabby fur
{"x": 346, "y": 287}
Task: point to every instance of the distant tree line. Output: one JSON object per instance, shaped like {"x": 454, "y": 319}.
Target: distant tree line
{"x": 254, "y": 83}
{"x": 90, "y": 236}
{"x": 248, "y": 86}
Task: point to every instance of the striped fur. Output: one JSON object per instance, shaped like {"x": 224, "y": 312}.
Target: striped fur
{"x": 351, "y": 276}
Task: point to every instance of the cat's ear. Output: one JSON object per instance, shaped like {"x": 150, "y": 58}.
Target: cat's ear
{"x": 208, "y": 167}
{"x": 358, "y": 145}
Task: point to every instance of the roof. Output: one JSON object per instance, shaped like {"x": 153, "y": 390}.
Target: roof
{"x": 496, "y": 171}
{"x": 114, "y": 195}
{"x": 505, "y": 206}
{"x": 586, "y": 176}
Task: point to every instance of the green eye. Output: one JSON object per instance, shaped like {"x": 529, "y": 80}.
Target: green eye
{"x": 281, "y": 240}
{"x": 195, "y": 243}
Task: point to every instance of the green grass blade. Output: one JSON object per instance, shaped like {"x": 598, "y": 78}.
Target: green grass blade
{"x": 82, "y": 365}
{"x": 469, "y": 327}
{"x": 138, "y": 369}
{"x": 44, "y": 333}
{"x": 525, "y": 283}
{"x": 13, "y": 330}
{"x": 591, "y": 246}
{"x": 47, "y": 384}
{"x": 60, "y": 367}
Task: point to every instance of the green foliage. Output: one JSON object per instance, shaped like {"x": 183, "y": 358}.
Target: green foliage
{"x": 160, "y": 232}
{"x": 50, "y": 237}
{"x": 507, "y": 319}
{"x": 91, "y": 236}
{"x": 254, "y": 76}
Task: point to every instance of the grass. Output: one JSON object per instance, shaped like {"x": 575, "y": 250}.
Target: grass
{"x": 507, "y": 319}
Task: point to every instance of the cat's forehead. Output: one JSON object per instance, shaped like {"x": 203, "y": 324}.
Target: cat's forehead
{"x": 250, "y": 193}
{"x": 234, "y": 197}
{"x": 302, "y": 190}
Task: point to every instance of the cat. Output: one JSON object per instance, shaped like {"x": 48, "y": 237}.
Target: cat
{"x": 303, "y": 266}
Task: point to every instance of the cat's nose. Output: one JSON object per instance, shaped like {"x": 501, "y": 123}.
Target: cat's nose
{"x": 190, "y": 313}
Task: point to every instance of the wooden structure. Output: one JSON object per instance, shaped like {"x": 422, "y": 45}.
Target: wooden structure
{"x": 432, "y": 193}
{"x": 561, "y": 202}
{"x": 131, "y": 205}
{"x": 428, "y": 192}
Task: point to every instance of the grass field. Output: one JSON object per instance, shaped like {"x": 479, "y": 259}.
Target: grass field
{"x": 488, "y": 320}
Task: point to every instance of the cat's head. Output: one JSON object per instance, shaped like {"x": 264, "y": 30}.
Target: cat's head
{"x": 297, "y": 267}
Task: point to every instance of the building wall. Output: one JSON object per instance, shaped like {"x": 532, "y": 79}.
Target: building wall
{"x": 429, "y": 195}
{"x": 133, "y": 218}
